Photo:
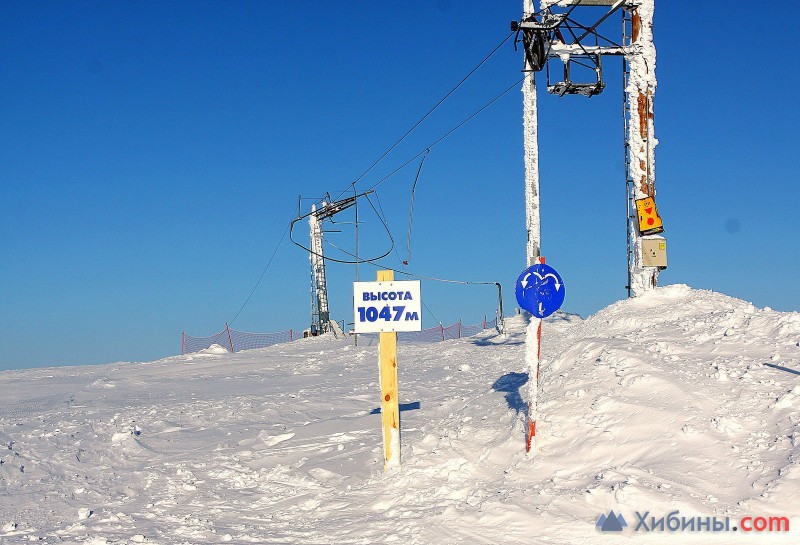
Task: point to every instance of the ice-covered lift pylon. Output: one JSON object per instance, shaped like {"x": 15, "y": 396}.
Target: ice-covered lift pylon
{"x": 574, "y": 36}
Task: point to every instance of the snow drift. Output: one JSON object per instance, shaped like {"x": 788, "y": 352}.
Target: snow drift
{"x": 677, "y": 400}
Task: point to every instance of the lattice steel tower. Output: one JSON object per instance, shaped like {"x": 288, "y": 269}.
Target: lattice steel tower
{"x": 320, "y": 313}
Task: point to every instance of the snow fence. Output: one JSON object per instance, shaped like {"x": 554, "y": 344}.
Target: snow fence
{"x": 233, "y": 340}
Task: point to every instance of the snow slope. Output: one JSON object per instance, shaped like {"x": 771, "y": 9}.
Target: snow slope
{"x": 659, "y": 403}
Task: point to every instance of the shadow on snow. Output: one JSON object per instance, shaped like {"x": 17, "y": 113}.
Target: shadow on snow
{"x": 510, "y": 383}
{"x": 413, "y": 406}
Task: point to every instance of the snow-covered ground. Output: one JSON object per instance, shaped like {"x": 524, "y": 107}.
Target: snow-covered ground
{"x": 667, "y": 402}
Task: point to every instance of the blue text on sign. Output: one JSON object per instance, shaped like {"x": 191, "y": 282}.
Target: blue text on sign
{"x": 388, "y": 296}
{"x": 388, "y": 306}
{"x": 395, "y": 314}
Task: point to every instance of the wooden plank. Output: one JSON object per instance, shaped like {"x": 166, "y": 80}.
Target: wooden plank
{"x": 390, "y": 403}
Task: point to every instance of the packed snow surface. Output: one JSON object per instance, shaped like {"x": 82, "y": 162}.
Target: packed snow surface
{"x": 677, "y": 400}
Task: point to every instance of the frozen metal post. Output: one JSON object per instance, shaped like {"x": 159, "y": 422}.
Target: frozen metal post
{"x": 640, "y": 89}
{"x": 530, "y": 123}
{"x": 578, "y": 35}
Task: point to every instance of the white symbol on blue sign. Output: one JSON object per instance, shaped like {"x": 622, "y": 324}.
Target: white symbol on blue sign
{"x": 540, "y": 290}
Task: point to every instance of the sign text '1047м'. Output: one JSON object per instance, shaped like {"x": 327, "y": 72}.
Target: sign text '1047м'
{"x": 387, "y": 306}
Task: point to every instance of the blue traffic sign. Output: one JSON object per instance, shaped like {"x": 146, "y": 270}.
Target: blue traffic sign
{"x": 540, "y": 290}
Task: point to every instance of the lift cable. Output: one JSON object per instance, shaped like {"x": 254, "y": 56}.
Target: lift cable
{"x": 411, "y": 206}
{"x": 260, "y": 278}
{"x": 385, "y": 220}
{"x": 375, "y": 263}
{"x": 430, "y": 111}
{"x": 398, "y": 169}
{"x": 445, "y": 135}
{"x": 407, "y": 273}
{"x": 358, "y": 260}
{"x": 424, "y": 153}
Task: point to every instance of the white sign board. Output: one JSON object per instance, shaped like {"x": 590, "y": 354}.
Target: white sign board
{"x": 383, "y": 307}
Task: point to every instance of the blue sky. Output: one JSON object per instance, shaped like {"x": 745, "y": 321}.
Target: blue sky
{"x": 153, "y": 153}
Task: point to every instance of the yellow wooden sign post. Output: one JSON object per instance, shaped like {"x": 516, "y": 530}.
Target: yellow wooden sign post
{"x": 390, "y": 401}
{"x": 386, "y": 307}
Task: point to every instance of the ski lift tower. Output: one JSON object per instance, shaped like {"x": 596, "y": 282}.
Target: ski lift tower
{"x": 320, "y": 313}
{"x": 573, "y": 36}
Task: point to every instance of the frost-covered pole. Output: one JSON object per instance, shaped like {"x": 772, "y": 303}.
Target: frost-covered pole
{"x": 318, "y": 270}
{"x": 641, "y": 88}
{"x": 530, "y": 124}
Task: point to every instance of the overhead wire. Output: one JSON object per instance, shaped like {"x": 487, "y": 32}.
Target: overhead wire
{"x": 446, "y": 135}
{"x": 382, "y": 217}
{"x": 430, "y": 111}
{"x": 411, "y": 207}
{"x": 373, "y": 261}
{"x": 425, "y": 152}
{"x": 388, "y": 176}
{"x": 261, "y": 277}
{"x": 333, "y": 259}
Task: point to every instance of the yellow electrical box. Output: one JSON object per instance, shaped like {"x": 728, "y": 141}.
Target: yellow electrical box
{"x": 654, "y": 252}
{"x": 649, "y": 221}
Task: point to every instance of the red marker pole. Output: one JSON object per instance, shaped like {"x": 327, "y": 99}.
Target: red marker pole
{"x": 533, "y": 353}
{"x": 230, "y": 341}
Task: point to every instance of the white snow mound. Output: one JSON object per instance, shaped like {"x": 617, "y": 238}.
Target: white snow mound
{"x": 214, "y": 349}
{"x": 677, "y": 400}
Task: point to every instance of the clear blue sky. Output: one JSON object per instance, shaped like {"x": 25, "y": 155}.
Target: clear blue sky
{"x": 153, "y": 152}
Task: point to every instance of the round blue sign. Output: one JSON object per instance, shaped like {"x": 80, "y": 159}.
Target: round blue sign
{"x": 540, "y": 290}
